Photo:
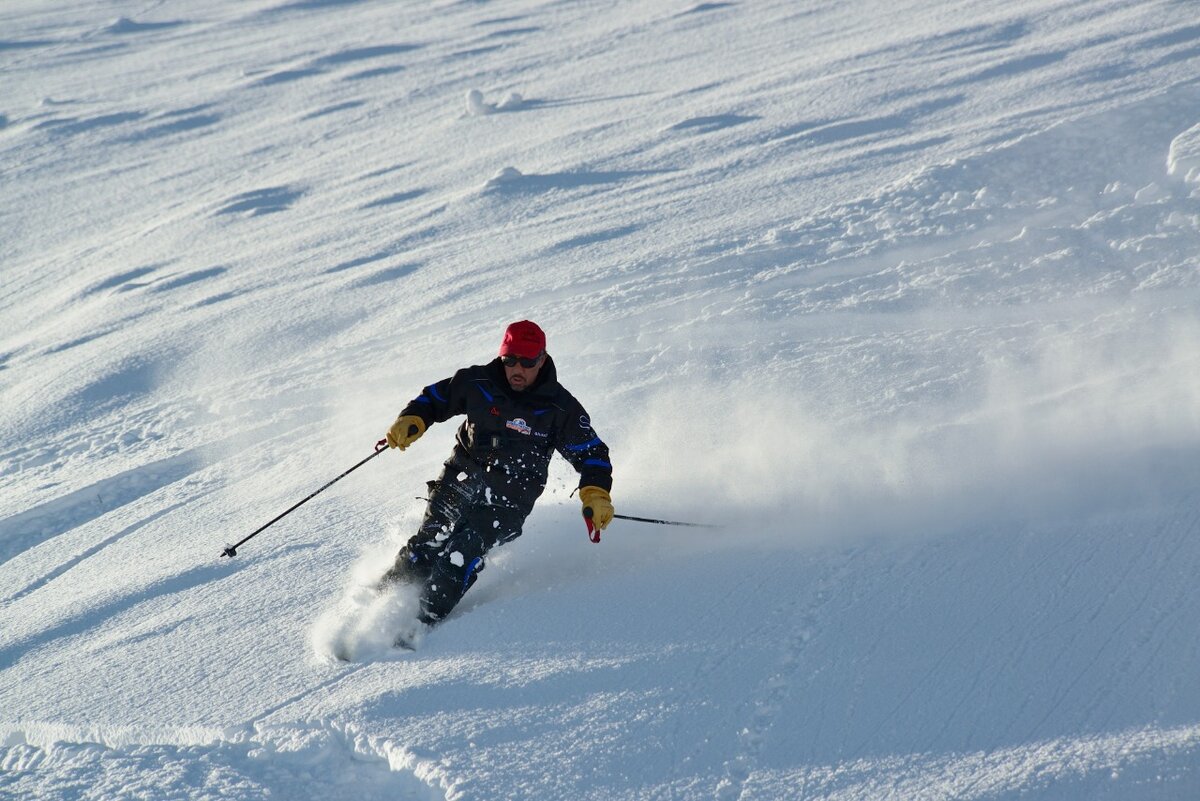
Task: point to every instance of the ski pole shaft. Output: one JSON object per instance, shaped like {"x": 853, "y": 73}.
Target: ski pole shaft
{"x": 587, "y": 513}
{"x": 231, "y": 550}
{"x": 664, "y": 522}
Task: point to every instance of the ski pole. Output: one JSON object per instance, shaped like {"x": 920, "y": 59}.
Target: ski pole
{"x": 231, "y": 550}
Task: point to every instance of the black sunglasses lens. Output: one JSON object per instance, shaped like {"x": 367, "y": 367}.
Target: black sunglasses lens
{"x": 513, "y": 361}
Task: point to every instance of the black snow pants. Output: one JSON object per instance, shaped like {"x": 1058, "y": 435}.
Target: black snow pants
{"x": 462, "y": 523}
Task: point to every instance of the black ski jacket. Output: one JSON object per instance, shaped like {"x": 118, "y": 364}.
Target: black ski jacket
{"x": 509, "y": 437}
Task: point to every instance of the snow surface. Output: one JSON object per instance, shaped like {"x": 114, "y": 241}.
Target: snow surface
{"x": 904, "y": 295}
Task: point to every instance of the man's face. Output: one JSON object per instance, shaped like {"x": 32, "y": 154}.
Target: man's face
{"x": 520, "y": 377}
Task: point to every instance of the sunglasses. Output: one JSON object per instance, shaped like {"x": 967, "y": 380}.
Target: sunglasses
{"x": 513, "y": 361}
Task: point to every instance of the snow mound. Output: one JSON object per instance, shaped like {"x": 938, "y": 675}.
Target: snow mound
{"x": 504, "y": 177}
{"x": 122, "y": 25}
{"x": 1151, "y": 193}
{"x": 1183, "y": 158}
{"x": 127, "y": 25}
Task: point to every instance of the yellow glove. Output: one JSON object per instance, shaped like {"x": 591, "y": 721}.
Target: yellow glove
{"x": 407, "y": 429}
{"x": 600, "y": 503}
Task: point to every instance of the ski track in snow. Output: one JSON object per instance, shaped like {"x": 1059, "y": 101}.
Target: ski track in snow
{"x": 945, "y": 264}
{"x": 763, "y": 703}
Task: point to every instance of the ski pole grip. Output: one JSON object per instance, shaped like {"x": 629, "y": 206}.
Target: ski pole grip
{"x": 593, "y": 532}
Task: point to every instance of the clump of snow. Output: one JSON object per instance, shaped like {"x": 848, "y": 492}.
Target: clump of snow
{"x": 506, "y": 175}
{"x": 478, "y": 107}
{"x": 511, "y": 102}
{"x": 1183, "y": 157}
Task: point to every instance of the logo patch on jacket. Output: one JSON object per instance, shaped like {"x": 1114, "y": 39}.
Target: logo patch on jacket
{"x": 495, "y": 412}
{"x": 519, "y": 425}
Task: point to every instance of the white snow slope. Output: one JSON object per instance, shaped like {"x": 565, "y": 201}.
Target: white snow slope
{"x": 902, "y": 295}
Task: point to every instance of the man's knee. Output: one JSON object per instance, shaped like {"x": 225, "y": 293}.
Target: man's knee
{"x": 497, "y": 524}
{"x": 449, "y": 581}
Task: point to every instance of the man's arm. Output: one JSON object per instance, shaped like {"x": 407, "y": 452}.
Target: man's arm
{"x": 436, "y": 404}
{"x": 580, "y": 445}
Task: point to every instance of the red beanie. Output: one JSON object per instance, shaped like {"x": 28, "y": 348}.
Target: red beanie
{"x": 523, "y": 339}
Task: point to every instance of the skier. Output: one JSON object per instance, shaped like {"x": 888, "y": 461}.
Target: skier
{"x": 517, "y": 415}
